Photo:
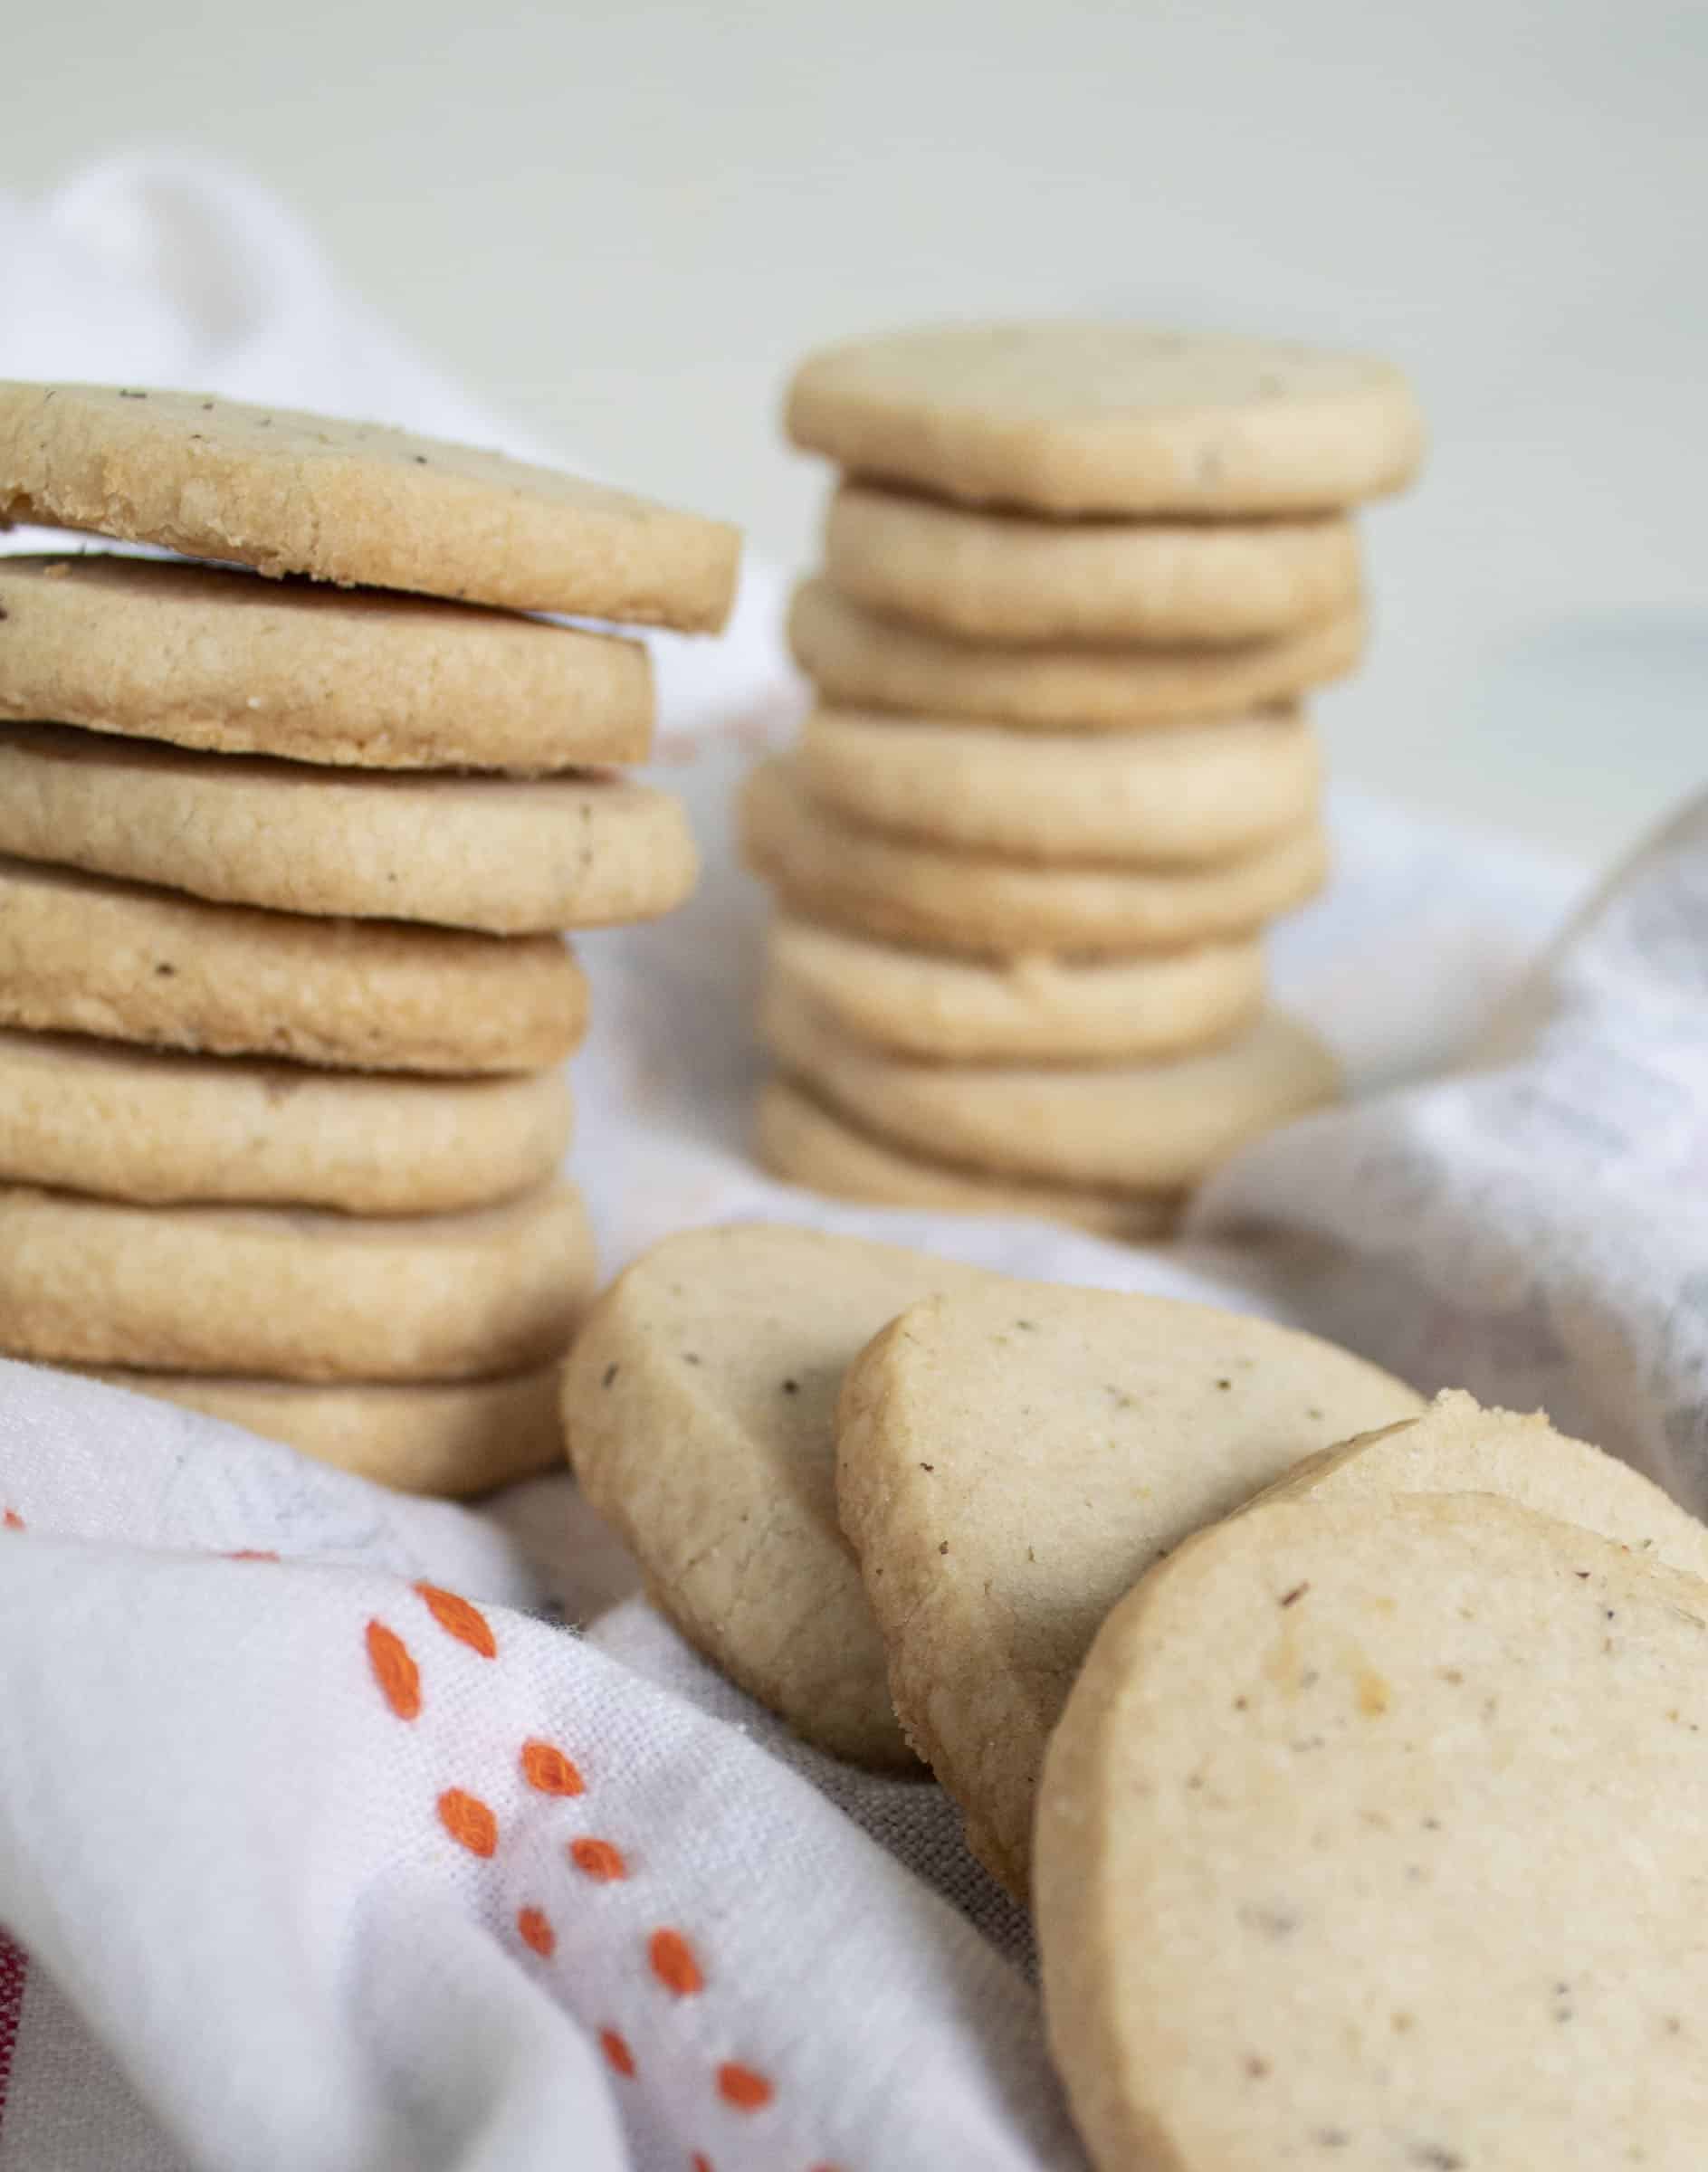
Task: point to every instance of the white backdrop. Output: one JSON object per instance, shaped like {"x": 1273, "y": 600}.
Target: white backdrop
{"x": 621, "y": 223}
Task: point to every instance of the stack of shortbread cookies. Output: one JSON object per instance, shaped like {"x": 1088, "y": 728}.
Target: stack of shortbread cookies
{"x": 1077, "y": 579}
{"x": 282, "y": 868}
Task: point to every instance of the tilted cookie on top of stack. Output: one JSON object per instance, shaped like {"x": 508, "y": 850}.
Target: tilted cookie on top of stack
{"x": 283, "y": 868}
{"x": 1077, "y": 579}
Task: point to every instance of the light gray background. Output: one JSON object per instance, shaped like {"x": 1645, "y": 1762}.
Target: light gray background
{"x": 622, "y": 223}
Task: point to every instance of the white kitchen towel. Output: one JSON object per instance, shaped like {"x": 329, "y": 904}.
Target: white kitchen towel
{"x": 327, "y": 1842}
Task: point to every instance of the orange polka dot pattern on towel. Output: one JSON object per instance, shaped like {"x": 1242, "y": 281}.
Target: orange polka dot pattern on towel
{"x": 457, "y": 1618}
{"x": 394, "y": 1670}
{"x": 546, "y": 1767}
{"x": 668, "y": 1963}
{"x": 598, "y": 1858}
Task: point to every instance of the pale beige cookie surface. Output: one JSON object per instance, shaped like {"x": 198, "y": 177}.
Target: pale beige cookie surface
{"x": 1005, "y": 578}
{"x": 859, "y": 660}
{"x": 1215, "y": 790}
{"x": 355, "y": 503}
{"x": 1010, "y": 1461}
{"x": 129, "y": 1123}
{"x": 1032, "y": 1009}
{"x": 292, "y": 1295}
{"x": 207, "y": 656}
{"x": 506, "y": 855}
{"x": 826, "y": 868}
{"x": 1459, "y": 1447}
{"x": 799, "y": 1139}
{"x": 1372, "y": 1837}
{"x": 1084, "y": 417}
{"x": 453, "y": 1437}
{"x": 82, "y": 955}
{"x": 700, "y": 1407}
{"x": 1122, "y": 1127}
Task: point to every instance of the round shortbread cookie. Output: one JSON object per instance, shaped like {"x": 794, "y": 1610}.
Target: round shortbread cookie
{"x": 1124, "y": 1128}
{"x": 457, "y": 1437}
{"x": 1005, "y": 578}
{"x": 1032, "y": 1009}
{"x": 800, "y": 1140}
{"x": 1371, "y": 1836}
{"x": 859, "y": 660}
{"x": 205, "y": 656}
{"x": 292, "y": 1295}
{"x": 1459, "y": 1447}
{"x": 506, "y": 855}
{"x": 1077, "y": 418}
{"x": 128, "y": 1123}
{"x": 828, "y": 869}
{"x": 354, "y": 504}
{"x": 700, "y": 1405}
{"x": 82, "y": 955}
{"x": 1214, "y": 790}
{"x": 1011, "y": 1460}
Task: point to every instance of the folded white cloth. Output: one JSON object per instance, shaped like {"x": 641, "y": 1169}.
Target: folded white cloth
{"x": 331, "y": 1847}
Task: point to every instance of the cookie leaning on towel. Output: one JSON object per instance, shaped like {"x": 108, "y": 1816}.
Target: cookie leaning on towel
{"x": 700, "y": 1411}
{"x": 1011, "y": 1460}
{"x": 1372, "y": 1834}
{"x": 226, "y": 840}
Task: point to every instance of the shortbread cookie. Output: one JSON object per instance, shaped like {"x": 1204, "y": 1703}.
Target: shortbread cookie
{"x": 128, "y": 1123}
{"x": 700, "y": 1405}
{"x": 82, "y": 955}
{"x": 1122, "y": 1127}
{"x": 1214, "y": 790}
{"x": 1005, "y": 578}
{"x": 1458, "y": 1447}
{"x": 206, "y": 656}
{"x": 451, "y": 1437}
{"x": 1372, "y": 1836}
{"x": 859, "y": 660}
{"x": 828, "y": 869}
{"x": 1010, "y": 1461}
{"x": 806, "y": 1143}
{"x": 293, "y": 1296}
{"x": 354, "y": 504}
{"x": 1033, "y": 1009}
{"x": 507, "y": 855}
{"x": 1109, "y": 418}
